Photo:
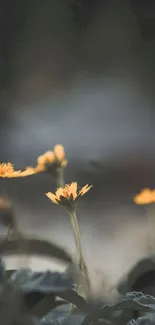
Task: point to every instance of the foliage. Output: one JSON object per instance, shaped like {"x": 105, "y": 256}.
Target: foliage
{"x": 129, "y": 279}
{"x": 45, "y": 298}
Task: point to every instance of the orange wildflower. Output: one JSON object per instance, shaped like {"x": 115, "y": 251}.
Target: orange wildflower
{"x": 55, "y": 158}
{"x": 7, "y": 171}
{"x": 146, "y": 196}
{"x": 27, "y": 172}
{"x": 47, "y": 158}
{"x": 69, "y": 193}
{"x": 50, "y": 159}
{"x": 59, "y": 153}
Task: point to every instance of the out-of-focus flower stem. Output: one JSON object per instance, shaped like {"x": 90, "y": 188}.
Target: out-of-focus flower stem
{"x": 7, "y": 233}
{"x": 81, "y": 262}
{"x": 60, "y": 178}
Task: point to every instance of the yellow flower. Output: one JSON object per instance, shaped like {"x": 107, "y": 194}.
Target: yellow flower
{"x": 7, "y": 171}
{"x": 27, "y": 172}
{"x": 146, "y": 196}
{"x": 55, "y": 158}
{"x": 69, "y": 193}
{"x": 59, "y": 153}
{"x": 50, "y": 159}
{"x": 46, "y": 159}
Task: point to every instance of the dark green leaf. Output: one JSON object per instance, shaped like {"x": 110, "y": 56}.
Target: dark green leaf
{"x": 129, "y": 279}
{"x": 12, "y": 309}
{"x": 139, "y": 297}
{"x": 49, "y": 283}
{"x": 61, "y": 316}
{"x": 72, "y": 297}
{"x": 46, "y": 305}
{"x": 35, "y": 247}
{"x": 132, "y": 301}
{"x": 2, "y": 269}
{"x": 144, "y": 320}
{"x": 39, "y": 302}
{"x": 8, "y": 274}
{"x": 45, "y": 282}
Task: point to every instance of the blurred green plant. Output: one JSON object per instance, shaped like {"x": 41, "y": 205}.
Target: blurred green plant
{"x": 40, "y": 298}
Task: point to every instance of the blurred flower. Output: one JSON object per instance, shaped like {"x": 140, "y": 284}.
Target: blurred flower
{"x": 27, "y": 172}
{"x": 6, "y": 212}
{"x": 5, "y": 203}
{"x": 68, "y": 193}
{"x": 52, "y": 161}
{"x": 146, "y": 196}
{"x": 55, "y": 159}
{"x": 45, "y": 160}
{"x": 60, "y": 155}
{"x": 7, "y": 171}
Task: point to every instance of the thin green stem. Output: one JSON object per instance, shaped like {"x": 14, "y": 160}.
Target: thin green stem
{"x": 81, "y": 262}
{"x": 60, "y": 178}
{"x": 8, "y": 233}
{"x": 77, "y": 237}
{"x": 151, "y": 228}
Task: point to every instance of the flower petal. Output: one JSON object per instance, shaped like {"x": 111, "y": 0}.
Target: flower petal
{"x": 41, "y": 160}
{"x": 40, "y": 169}
{"x": 49, "y": 157}
{"x": 64, "y": 163}
{"x": 27, "y": 172}
{"x": 59, "y": 152}
{"x": 67, "y": 193}
{"x": 52, "y": 197}
{"x": 59, "y": 192}
{"x": 145, "y": 197}
{"x": 85, "y": 189}
{"x": 73, "y": 190}
{"x": 7, "y": 171}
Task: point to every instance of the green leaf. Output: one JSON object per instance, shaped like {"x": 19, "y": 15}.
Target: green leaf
{"x": 126, "y": 283}
{"x": 61, "y": 316}
{"x": 2, "y": 269}
{"x": 45, "y": 282}
{"x": 132, "y": 301}
{"x": 45, "y": 305}
{"x": 72, "y": 297}
{"x": 48, "y": 283}
{"x": 8, "y": 274}
{"x": 12, "y": 309}
{"x": 35, "y": 247}
{"x": 144, "y": 320}
{"x": 139, "y": 297}
{"x": 39, "y": 303}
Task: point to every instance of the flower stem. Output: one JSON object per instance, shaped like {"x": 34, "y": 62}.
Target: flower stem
{"x": 60, "y": 178}
{"x": 151, "y": 228}
{"x": 81, "y": 262}
{"x": 7, "y": 233}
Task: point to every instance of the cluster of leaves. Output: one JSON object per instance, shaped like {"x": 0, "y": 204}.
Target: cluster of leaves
{"x": 45, "y": 298}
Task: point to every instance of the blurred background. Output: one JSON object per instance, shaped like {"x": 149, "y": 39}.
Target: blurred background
{"x": 81, "y": 73}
